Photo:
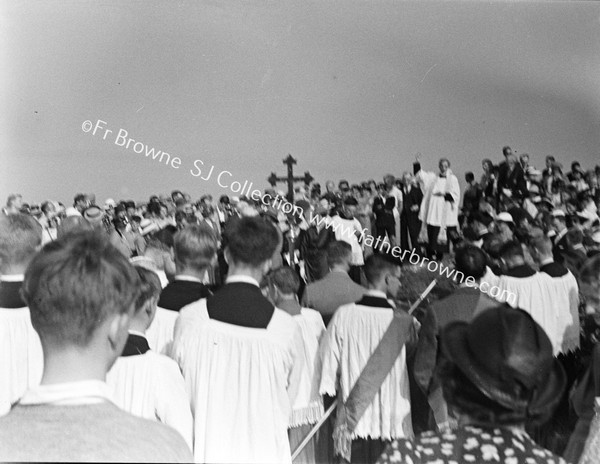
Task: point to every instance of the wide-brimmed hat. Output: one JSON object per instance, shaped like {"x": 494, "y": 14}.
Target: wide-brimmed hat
{"x": 509, "y": 358}
{"x": 94, "y": 214}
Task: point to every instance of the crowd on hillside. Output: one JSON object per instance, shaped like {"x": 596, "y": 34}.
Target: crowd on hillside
{"x": 222, "y": 331}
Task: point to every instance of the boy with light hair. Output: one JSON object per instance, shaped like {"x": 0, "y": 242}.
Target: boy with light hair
{"x": 81, "y": 292}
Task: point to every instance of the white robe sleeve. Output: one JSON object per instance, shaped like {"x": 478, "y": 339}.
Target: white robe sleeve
{"x": 425, "y": 179}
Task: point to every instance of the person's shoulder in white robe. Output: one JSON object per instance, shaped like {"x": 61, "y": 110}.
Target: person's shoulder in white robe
{"x": 151, "y": 386}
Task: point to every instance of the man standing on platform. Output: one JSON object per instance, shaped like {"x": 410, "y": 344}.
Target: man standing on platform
{"x": 410, "y": 224}
{"x": 394, "y": 192}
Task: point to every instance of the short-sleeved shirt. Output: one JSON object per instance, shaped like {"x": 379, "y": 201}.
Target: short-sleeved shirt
{"x": 469, "y": 444}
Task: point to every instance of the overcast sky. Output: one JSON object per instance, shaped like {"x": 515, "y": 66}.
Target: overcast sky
{"x": 352, "y": 89}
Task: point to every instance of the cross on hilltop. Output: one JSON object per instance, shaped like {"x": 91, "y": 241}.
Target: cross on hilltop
{"x": 290, "y": 179}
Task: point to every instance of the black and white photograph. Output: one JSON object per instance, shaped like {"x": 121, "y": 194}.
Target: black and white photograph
{"x": 308, "y": 232}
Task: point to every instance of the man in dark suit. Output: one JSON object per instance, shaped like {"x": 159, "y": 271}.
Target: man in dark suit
{"x": 511, "y": 180}
{"x": 462, "y": 305}
{"x": 383, "y": 208}
{"x": 312, "y": 241}
{"x": 410, "y": 225}
{"x": 195, "y": 248}
{"x": 336, "y": 288}
{"x": 559, "y": 225}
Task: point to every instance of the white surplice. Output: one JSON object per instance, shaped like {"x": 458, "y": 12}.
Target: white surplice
{"x": 435, "y": 210}
{"x": 21, "y": 356}
{"x": 151, "y": 386}
{"x": 352, "y": 336}
{"x": 160, "y": 332}
{"x": 241, "y": 382}
{"x": 552, "y": 302}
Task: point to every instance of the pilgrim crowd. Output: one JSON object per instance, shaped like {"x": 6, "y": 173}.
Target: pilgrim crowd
{"x": 228, "y": 331}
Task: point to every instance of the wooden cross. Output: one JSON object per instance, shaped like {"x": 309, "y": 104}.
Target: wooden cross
{"x": 290, "y": 179}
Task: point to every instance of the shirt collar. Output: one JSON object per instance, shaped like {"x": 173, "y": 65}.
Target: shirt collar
{"x": 139, "y": 334}
{"x": 242, "y": 278}
{"x": 187, "y": 278}
{"x": 12, "y": 278}
{"x": 466, "y": 285}
{"x": 377, "y": 293}
{"x": 68, "y": 393}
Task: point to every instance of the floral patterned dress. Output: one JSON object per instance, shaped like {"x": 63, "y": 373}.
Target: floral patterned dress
{"x": 469, "y": 444}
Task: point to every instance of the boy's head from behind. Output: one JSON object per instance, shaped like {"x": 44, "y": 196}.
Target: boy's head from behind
{"x": 81, "y": 293}
{"x": 145, "y": 305}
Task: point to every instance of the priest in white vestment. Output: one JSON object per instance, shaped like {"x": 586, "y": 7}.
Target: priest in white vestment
{"x": 21, "y": 356}
{"x": 439, "y": 208}
{"x": 241, "y": 357}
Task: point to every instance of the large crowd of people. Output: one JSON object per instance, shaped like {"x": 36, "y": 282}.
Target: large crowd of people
{"x": 234, "y": 331}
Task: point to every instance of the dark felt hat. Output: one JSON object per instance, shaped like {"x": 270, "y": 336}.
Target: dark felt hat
{"x": 508, "y": 357}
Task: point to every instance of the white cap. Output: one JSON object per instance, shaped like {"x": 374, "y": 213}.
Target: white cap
{"x": 505, "y": 217}
{"x": 72, "y": 211}
{"x": 148, "y": 226}
{"x": 587, "y": 215}
{"x": 558, "y": 213}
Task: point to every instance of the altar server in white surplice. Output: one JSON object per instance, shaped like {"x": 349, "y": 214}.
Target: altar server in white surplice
{"x": 564, "y": 293}
{"x": 547, "y": 300}
{"x": 282, "y": 286}
{"x": 241, "y": 357}
{"x": 21, "y": 357}
{"x": 143, "y": 382}
{"x": 353, "y": 334}
{"x": 194, "y": 247}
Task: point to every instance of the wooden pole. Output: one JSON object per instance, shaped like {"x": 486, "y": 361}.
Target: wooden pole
{"x": 315, "y": 429}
